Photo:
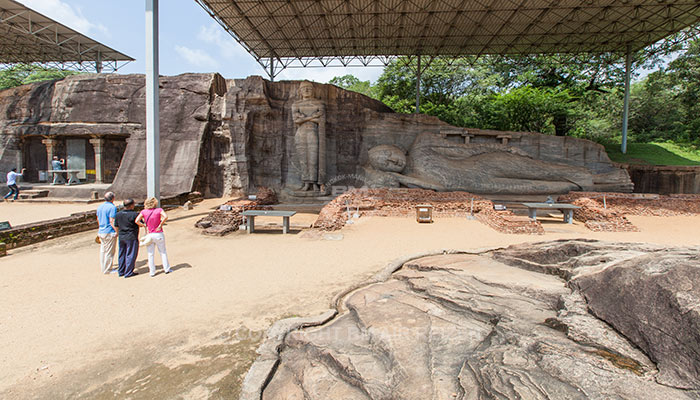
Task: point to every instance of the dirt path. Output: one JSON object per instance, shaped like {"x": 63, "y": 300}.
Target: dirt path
{"x": 68, "y": 330}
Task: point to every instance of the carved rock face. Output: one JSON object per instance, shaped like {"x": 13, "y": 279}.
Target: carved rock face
{"x": 306, "y": 90}
{"x": 387, "y": 158}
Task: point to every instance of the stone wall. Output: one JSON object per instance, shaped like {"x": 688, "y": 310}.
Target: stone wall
{"x": 664, "y": 179}
{"x": 24, "y": 235}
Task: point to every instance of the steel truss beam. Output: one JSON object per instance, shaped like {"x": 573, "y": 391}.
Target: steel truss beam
{"x": 28, "y": 37}
{"x": 304, "y": 33}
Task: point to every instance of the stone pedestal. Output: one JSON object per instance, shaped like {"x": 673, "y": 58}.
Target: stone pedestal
{"x": 98, "y": 146}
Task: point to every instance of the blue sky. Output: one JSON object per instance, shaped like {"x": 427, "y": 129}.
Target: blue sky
{"x": 190, "y": 40}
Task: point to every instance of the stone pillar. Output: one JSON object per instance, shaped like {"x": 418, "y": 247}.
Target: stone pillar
{"x": 98, "y": 145}
{"x": 50, "y": 145}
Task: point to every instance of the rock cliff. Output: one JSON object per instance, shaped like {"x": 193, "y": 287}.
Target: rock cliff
{"x": 222, "y": 137}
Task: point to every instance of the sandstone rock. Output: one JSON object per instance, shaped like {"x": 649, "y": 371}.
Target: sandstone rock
{"x": 461, "y": 326}
{"x": 656, "y": 304}
{"x": 230, "y": 137}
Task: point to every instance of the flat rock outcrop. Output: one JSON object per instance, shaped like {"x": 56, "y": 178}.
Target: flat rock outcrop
{"x": 558, "y": 320}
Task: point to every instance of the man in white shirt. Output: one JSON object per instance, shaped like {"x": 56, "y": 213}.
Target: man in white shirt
{"x": 12, "y": 183}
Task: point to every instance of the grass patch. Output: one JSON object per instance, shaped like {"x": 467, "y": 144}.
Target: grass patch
{"x": 665, "y": 153}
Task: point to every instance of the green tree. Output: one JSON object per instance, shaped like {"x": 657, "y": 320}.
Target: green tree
{"x": 21, "y": 74}
{"x": 526, "y": 108}
{"x": 354, "y": 84}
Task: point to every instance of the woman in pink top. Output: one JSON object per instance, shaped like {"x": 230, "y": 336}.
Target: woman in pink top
{"x": 152, "y": 219}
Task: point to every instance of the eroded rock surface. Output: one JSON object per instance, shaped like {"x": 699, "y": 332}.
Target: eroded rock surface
{"x": 230, "y": 137}
{"x": 460, "y": 326}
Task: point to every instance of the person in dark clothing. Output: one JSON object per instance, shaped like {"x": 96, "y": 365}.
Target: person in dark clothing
{"x": 128, "y": 238}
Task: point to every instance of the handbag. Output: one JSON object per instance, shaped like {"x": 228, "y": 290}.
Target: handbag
{"x": 148, "y": 237}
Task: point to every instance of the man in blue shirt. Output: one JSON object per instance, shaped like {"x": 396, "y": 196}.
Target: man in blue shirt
{"x": 106, "y": 213}
{"x": 57, "y": 165}
{"x": 12, "y": 183}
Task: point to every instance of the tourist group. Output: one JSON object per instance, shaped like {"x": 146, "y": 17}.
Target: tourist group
{"x": 124, "y": 225}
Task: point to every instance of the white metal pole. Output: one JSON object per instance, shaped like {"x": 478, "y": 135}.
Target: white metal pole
{"x": 626, "y": 106}
{"x": 152, "y": 101}
{"x": 418, "y": 74}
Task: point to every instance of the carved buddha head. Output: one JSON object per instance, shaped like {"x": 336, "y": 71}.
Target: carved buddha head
{"x": 306, "y": 90}
{"x": 387, "y": 158}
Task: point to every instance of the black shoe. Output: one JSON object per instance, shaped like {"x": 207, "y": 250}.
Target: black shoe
{"x": 133, "y": 274}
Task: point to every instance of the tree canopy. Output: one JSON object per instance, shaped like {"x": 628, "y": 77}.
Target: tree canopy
{"x": 22, "y": 74}
{"x": 578, "y": 95}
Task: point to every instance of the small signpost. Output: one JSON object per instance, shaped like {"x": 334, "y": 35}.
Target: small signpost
{"x": 5, "y": 225}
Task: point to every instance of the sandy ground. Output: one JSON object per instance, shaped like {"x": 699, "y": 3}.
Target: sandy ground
{"x": 67, "y": 331}
{"x": 19, "y": 213}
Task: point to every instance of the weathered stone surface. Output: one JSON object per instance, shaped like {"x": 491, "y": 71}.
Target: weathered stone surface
{"x": 664, "y": 179}
{"x": 230, "y": 137}
{"x": 435, "y": 163}
{"x": 656, "y": 304}
{"x": 113, "y": 107}
{"x": 185, "y": 109}
{"x": 461, "y": 326}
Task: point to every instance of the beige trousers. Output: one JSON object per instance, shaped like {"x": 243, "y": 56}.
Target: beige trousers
{"x": 107, "y": 247}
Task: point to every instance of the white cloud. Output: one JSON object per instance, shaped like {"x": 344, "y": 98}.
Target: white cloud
{"x": 324, "y": 75}
{"x": 65, "y": 14}
{"x": 226, "y": 48}
{"x": 226, "y": 45}
{"x": 197, "y": 57}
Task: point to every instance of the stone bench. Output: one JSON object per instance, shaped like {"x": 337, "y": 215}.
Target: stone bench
{"x": 251, "y": 214}
{"x": 72, "y": 175}
{"x": 566, "y": 209}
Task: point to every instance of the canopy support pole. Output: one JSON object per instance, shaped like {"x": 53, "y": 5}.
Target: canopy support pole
{"x": 418, "y": 76}
{"x": 98, "y": 63}
{"x": 272, "y": 69}
{"x": 152, "y": 102}
{"x": 626, "y": 106}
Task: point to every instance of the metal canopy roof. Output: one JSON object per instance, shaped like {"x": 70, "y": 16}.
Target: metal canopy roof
{"x": 27, "y": 36}
{"x": 307, "y": 31}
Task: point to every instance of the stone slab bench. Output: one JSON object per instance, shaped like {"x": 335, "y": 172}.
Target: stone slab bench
{"x": 566, "y": 209}
{"x": 251, "y": 214}
{"x": 72, "y": 175}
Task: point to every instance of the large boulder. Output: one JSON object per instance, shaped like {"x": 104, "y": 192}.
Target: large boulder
{"x": 654, "y": 300}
